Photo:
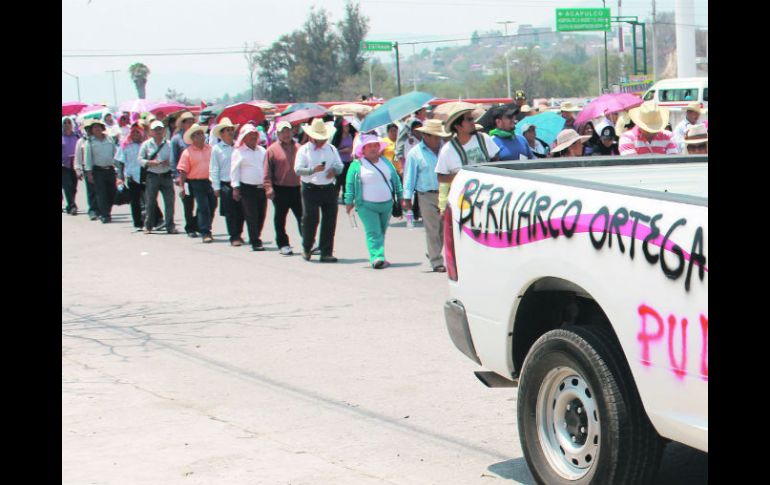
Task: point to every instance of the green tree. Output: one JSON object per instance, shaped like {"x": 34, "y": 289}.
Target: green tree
{"x": 317, "y": 64}
{"x": 352, "y": 30}
{"x": 139, "y": 73}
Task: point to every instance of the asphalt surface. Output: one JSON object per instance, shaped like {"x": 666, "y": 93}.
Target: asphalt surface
{"x": 185, "y": 362}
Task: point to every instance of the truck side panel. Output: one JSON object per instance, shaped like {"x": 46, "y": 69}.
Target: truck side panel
{"x": 643, "y": 260}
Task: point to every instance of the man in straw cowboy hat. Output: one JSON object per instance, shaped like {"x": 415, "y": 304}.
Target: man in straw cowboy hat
{"x": 219, "y": 174}
{"x": 420, "y": 178}
{"x": 282, "y": 185}
{"x": 100, "y": 168}
{"x": 178, "y": 145}
{"x": 696, "y": 140}
{"x": 318, "y": 163}
{"x": 193, "y": 170}
{"x": 155, "y": 157}
{"x": 691, "y": 117}
{"x": 93, "y": 207}
{"x": 648, "y": 136}
{"x": 569, "y": 143}
{"x": 466, "y": 147}
{"x": 568, "y": 111}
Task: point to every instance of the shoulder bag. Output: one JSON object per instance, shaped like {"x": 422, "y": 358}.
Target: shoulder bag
{"x": 397, "y": 211}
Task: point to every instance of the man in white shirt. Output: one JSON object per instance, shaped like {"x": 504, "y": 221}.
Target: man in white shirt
{"x": 692, "y": 115}
{"x": 247, "y": 179}
{"x": 318, "y": 163}
{"x": 466, "y": 147}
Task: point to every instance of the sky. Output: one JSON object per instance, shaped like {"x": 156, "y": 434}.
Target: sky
{"x": 101, "y": 27}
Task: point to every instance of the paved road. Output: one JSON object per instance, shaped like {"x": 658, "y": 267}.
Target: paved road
{"x": 208, "y": 364}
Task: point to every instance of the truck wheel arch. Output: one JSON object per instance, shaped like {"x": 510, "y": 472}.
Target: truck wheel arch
{"x": 549, "y": 303}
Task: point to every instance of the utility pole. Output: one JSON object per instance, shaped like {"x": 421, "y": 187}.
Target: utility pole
{"x": 414, "y": 68}
{"x": 507, "y": 64}
{"x": 654, "y": 50}
{"x": 371, "y": 87}
{"x": 398, "y": 68}
{"x": 77, "y": 80}
{"x": 114, "y": 91}
{"x": 606, "y": 62}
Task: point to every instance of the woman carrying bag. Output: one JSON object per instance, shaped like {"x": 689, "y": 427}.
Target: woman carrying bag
{"x": 372, "y": 186}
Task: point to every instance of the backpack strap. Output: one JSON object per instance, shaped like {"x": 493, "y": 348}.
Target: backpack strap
{"x": 460, "y": 151}
{"x": 482, "y": 145}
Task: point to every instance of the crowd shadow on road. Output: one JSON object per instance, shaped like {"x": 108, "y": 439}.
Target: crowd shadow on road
{"x": 515, "y": 469}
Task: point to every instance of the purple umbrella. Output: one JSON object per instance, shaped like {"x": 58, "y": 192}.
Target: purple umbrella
{"x": 605, "y": 104}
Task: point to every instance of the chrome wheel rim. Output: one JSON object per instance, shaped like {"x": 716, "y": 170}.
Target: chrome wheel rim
{"x": 568, "y": 423}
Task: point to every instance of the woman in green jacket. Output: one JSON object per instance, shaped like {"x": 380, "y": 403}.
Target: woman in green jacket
{"x": 370, "y": 187}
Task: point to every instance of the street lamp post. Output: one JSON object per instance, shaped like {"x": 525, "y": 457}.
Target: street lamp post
{"x": 77, "y": 80}
{"x": 114, "y": 91}
{"x": 507, "y": 63}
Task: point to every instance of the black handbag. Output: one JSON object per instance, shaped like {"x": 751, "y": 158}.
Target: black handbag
{"x": 122, "y": 197}
{"x": 397, "y": 211}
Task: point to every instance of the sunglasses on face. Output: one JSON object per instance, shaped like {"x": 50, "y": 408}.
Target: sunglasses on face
{"x": 469, "y": 119}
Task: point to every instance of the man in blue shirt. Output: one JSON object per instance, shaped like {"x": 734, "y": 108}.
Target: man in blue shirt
{"x": 512, "y": 146}
{"x": 420, "y": 177}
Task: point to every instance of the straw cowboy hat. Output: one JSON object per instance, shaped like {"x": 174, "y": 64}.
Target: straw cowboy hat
{"x": 696, "y": 134}
{"x": 433, "y": 127}
{"x": 460, "y": 109}
{"x": 650, "y": 117}
{"x": 195, "y": 128}
{"x": 318, "y": 130}
{"x": 620, "y": 124}
{"x": 223, "y": 123}
{"x": 568, "y": 106}
{"x": 695, "y": 106}
{"x": 567, "y": 138}
{"x": 185, "y": 116}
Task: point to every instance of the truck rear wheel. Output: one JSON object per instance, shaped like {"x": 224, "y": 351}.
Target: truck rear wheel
{"x": 580, "y": 417}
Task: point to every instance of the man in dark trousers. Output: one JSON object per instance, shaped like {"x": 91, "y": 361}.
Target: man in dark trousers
{"x": 183, "y": 123}
{"x": 282, "y": 185}
{"x": 100, "y": 168}
{"x": 318, "y": 163}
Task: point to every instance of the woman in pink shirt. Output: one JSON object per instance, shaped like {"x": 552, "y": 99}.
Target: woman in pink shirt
{"x": 193, "y": 170}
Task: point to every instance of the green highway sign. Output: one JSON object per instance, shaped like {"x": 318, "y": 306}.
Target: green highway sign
{"x": 576, "y": 19}
{"x": 368, "y": 45}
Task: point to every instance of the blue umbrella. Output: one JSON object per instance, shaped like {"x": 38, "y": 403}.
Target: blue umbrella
{"x": 395, "y": 109}
{"x": 547, "y": 126}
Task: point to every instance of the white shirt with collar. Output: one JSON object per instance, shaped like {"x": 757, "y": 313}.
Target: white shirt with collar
{"x": 309, "y": 157}
{"x": 247, "y": 166}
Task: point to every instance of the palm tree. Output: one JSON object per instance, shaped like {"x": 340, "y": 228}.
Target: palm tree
{"x": 139, "y": 74}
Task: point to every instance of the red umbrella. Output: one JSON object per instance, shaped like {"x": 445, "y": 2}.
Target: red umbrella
{"x": 304, "y": 114}
{"x": 606, "y": 104}
{"x": 71, "y": 107}
{"x": 242, "y": 113}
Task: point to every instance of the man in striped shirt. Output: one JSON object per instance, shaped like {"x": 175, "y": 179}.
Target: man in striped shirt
{"x": 648, "y": 136}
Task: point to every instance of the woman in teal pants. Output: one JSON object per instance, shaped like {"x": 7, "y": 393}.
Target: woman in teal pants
{"x": 370, "y": 186}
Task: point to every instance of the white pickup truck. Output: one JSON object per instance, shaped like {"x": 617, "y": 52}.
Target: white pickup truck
{"x": 584, "y": 281}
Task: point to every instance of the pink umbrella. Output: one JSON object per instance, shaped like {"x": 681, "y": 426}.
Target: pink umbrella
{"x": 166, "y": 107}
{"x": 134, "y": 106}
{"x": 303, "y": 114}
{"x": 605, "y": 104}
{"x": 71, "y": 107}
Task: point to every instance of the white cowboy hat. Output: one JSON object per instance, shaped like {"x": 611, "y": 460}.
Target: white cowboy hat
{"x": 695, "y": 106}
{"x": 567, "y": 138}
{"x": 568, "y": 106}
{"x": 318, "y": 130}
{"x": 195, "y": 128}
{"x": 696, "y": 134}
{"x": 649, "y": 117}
{"x": 223, "y": 123}
{"x": 433, "y": 127}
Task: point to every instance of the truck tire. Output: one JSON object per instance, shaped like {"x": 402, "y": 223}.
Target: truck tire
{"x": 580, "y": 417}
